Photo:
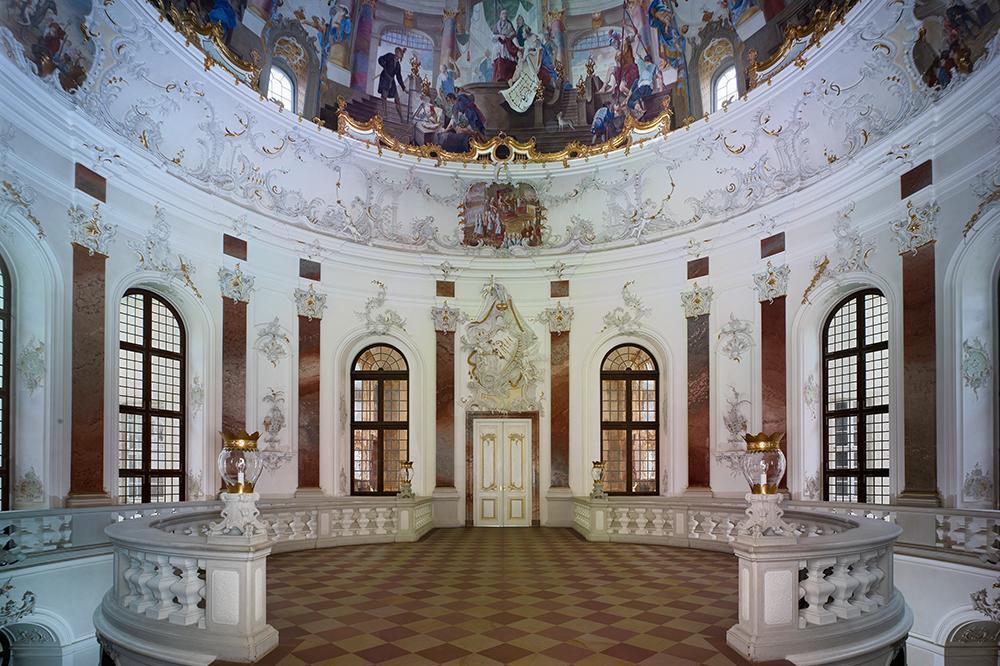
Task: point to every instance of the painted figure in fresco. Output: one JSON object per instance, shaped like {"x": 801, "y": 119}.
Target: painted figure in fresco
{"x": 643, "y": 87}
{"x": 387, "y": 78}
{"x": 548, "y": 73}
{"x": 486, "y": 68}
{"x": 739, "y": 10}
{"x": 503, "y": 216}
{"x": 671, "y": 41}
{"x": 31, "y": 13}
{"x": 427, "y": 121}
{"x": 519, "y": 28}
{"x": 446, "y": 80}
{"x": 524, "y": 82}
{"x": 340, "y": 25}
{"x": 464, "y": 109}
{"x": 223, "y": 14}
{"x": 505, "y": 49}
{"x": 602, "y": 123}
{"x": 626, "y": 72}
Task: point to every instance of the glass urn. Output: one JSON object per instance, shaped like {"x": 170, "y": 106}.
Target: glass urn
{"x": 406, "y": 471}
{"x": 764, "y": 463}
{"x": 598, "y": 472}
{"x": 240, "y": 463}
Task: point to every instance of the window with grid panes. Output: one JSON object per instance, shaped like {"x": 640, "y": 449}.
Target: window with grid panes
{"x": 379, "y": 420}
{"x": 281, "y": 88}
{"x": 151, "y": 381}
{"x": 630, "y": 431}
{"x": 6, "y": 360}
{"x": 724, "y": 89}
{"x": 856, "y": 400}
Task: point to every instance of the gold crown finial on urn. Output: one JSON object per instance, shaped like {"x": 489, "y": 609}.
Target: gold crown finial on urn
{"x": 240, "y": 462}
{"x": 764, "y": 462}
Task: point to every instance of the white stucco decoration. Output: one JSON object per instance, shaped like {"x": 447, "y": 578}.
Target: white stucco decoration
{"x": 196, "y": 395}
{"x": 446, "y": 318}
{"x": 736, "y": 338}
{"x": 976, "y": 364}
{"x": 16, "y": 196}
{"x": 626, "y": 318}
{"x": 29, "y": 489}
{"x": 309, "y": 303}
{"x": 772, "y": 283}
{"x": 235, "y": 284}
{"x": 156, "y": 254}
{"x": 272, "y": 341}
{"x": 735, "y": 420}
{"x": 558, "y": 319}
{"x": 697, "y": 301}
{"x": 272, "y": 453}
{"x": 978, "y": 485}
{"x": 31, "y": 365}
{"x": 917, "y": 228}
{"x": 376, "y": 318}
{"x": 89, "y": 230}
{"x": 810, "y": 391}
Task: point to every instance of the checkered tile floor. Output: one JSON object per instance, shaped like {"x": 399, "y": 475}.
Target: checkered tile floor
{"x": 502, "y": 596}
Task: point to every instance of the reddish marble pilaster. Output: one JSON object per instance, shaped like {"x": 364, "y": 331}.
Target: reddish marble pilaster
{"x": 86, "y": 484}
{"x": 445, "y": 412}
{"x": 559, "y": 416}
{"x": 698, "y": 426}
{"x": 308, "y": 405}
{"x": 919, "y": 379}
{"x": 234, "y": 365}
{"x": 773, "y": 363}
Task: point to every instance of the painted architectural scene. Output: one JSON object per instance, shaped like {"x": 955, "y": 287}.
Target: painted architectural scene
{"x": 502, "y": 216}
{"x": 953, "y": 35}
{"x": 51, "y": 34}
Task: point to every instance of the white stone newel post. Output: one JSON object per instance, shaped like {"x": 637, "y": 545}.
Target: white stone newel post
{"x": 236, "y": 596}
{"x": 601, "y": 515}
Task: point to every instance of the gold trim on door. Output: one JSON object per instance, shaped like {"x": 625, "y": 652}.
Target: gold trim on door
{"x": 492, "y": 439}
{"x": 519, "y": 439}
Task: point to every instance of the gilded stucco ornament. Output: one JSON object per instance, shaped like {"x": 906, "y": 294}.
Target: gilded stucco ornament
{"x": 15, "y": 196}
{"x": 235, "y": 284}
{"x": 626, "y": 318}
{"x": 88, "y": 230}
{"x": 31, "y": 365}
{"x": 772, "y": 283}
{"x": 558, "y": 319}
{"x": 156, "y": 254}
{"x": 697, "y": 301}
{"x": 378, "y": 319}
{"x": 272, "y": 341}
{"x": 976, "y": 364}
{"x": 736, "y": 338}
{"x": 987, "y": 188}
{"x": 852, "y": 255}
{"x": 918, "y": 228}
{"x": 558, "y": 269}
{"x": 309, "y": 303}
{"x": 502, "y": 350}
{"x": 446, "y": 270}
{"x": 446, "y": 318}
{"x": 978, "y": 485}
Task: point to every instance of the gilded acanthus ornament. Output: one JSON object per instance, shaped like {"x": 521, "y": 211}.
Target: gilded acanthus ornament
{"x": 88, "y": 230}
{"x": 272, "y": 341}
{"x": 15, "y": 196}
{"x": 976, "y": 365}
{"x": 377, "y": 318}
{"x": 235, "y": 285}
{"x": 697, "y": 301}
{"x": 626, "y": 318}
{"x": 558, "y": 269}
{"x": 446, "y": 270}
{"x": 853, "y": 250}
{"x": 918, "y": 228}
{"x": 446, "y": 318}
{"x": 772, "y": 283}
{"x": 155, "y": 254}
{"x": 558, "y": 319}
{"x": 736, "y": 338}
{"x": 309, "y": 303}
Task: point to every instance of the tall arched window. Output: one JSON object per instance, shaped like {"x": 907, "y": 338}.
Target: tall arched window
{"x": 6, "y": 360}
{"x": 151, "y": 381}
{"x": 630, "y": 427}
{"x": 281, "y": 88}
{"x": 856, "y": 400}
{"x": 379, "y": 420}
{"x": 724, "y": 88}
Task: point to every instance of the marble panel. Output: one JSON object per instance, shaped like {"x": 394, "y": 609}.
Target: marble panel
{"x": 309, "y": 379}
{"x": 698, "y": 402}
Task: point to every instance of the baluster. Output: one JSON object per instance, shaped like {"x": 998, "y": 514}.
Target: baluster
{"x": 380, "y": 518}
{"x": 131, "y": 573}
{"x": 817, "y": 592}
{"x": 845, "y": 585}
{"x": 872, "y": 562}
{"x": 146, "y": 573}
{"x": 363, "y": 521}
{"x": 346, "y": 520}
{"x": 393, "y": 520}
{"x": 622, "y": 516}
{"x": 160, "y": 585}
{"x": 865, "y": 578}
{"x": 298, "y": 525}
{"x": 941, "y": 530}
{"x": 694, "y": 525}
{"x": 188, "y": 590}
{"x": 977, "y": 535}
{"x": 29, "y": 532}
{"x": 641, "y": 521}
{"x": 312, "y": 521}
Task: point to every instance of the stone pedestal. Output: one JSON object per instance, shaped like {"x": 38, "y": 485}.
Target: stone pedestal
{"x": 560, "y": 507}
{"x": 445, "y": 503}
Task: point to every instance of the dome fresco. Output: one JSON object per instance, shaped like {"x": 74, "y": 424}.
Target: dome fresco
{"x": 329, "y": 131}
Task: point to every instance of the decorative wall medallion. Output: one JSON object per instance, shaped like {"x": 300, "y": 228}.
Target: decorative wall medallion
{"x": 976, "y": 365}
{"x": 772, "y": 283}
{"x": 193, "y": 486}
{"x": 377, "y": 318}
{"x": 918, "y": 228}
{"x": 446, "y": 318}
{"x": 309, "y": 303}
{"x": 812, "y": 489}
{"x": 29, "y": 489}
{"x": 735, "y": 421}
{"x": 627, "y": 318}
{"x": 16, "y": 196}
{"x": 446, "y": 270}
{"x": 235, "y": 285}
{"x": 501, "y": 355}
{"x": 978, "y": 485}
{"x": 811, "y": 393}
{"x": 558, "y": 269}
{"x": 272, "y": 341}
{"x": 10, "y": 610}
{"x": 31, "y": 365}
{"x": 272, "y": 453}
{"x": 736, "y": 338}
{"x": 977, "y": 632}
{"x": 558, "y": 319}
{"x": 696, "y": 301}
{"x": 696, "y": 248}
{"x": 88, "y": 230}
{"x": 155, "y": 254}
{"x": 196, "y": 395}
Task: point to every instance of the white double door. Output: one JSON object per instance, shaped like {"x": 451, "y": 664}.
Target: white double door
{"x": 502, "y": 462}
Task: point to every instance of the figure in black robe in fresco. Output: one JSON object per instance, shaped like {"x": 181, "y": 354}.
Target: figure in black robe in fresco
{"x": 391, "y": 72}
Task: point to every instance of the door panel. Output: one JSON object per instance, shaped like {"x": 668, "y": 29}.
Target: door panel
{"x": 501, "y": 463}
{"x": 487, "y": 463}
{"x": 517, "y": 468}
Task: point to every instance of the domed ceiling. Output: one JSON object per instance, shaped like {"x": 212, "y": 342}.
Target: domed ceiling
{"x": 506, "y": 128}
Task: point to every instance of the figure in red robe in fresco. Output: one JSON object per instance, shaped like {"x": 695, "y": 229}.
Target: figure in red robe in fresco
{"x": 505, "y": 49}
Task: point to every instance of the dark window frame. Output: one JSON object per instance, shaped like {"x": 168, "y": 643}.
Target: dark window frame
{"x": 6, "y": 392}
{"x": 379, "y": 425}
{"x": 146, "y": 472}
{"x": 860, "y": 472}
{"x": 628, "y": 425}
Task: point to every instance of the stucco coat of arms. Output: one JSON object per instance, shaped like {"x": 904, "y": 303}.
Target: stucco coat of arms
{"x": 502, "y": 351}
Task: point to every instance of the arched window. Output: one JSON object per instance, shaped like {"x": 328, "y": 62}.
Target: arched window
{"x": 6, "y": 360}
{"x": 630, "y": 427}
{"x": 724, "y": 88}
{"x": 416, "y": 44}
{"x": 602, "y": 45}
{"x": 151, "y": 381}
{"x": 379, "y": 420}
{"x": 281, "y": 88}
{"x": 856, "y": 400}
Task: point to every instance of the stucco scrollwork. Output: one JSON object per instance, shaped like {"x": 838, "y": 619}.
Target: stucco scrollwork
{"x": 772, "y": 283}
{"x": 15, "y": 196}
{"x": 272, "y": 453}
{"x": 735, "y": 420}
{"x": 502, "y": 349}
{"x": 196, "y": 395}
{"x": 309, "y": 303}
{"x": 89, "y": 230}
{"x": 976, "y": 364}
{"x": 559, "y": 319}
{"x": 697, "y": 301}
{"x": 987, "y": 603}
{"x": 272, "y": 341}
{"x": 31, "y": 365}
{"x": 626, "y": 318}
{"x": 978, "y": 485}
{"x": 29, "y": 489}
{"x": 156, "y": 254}
{"x": 446, "y": 318}
{"x": 918, "y": 228}
{"x": 811, "y": 393}
{"x": 377, "y": 318}
{"x": 736, "y": 338}
{"x": 235, "y": 284}
{"x": 11, "y": 611}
